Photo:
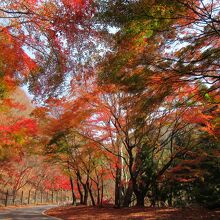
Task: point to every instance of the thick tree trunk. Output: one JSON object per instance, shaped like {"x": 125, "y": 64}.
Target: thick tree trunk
{"x": 14, "y": 197}
{"x": 128, "y": 195}
{"x": 80, "y": 192}
{"x": 118, "y": 187}
{"x": 140, "y": 199}
{"x": 155, "y": 198}
{"x": 85, "y": 199}
{"x": 118, "y": 175}
{"x": 91, "y": 195}
{"x": 72, "y": 190}
{"x": 140, "y": 192}
{"x": 170, "y": 198}
{"x": 98, "y": 195}
{"x": 102, "y": 192}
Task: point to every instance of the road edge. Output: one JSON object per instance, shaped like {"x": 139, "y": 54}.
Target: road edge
{"x": 43, "y": 213}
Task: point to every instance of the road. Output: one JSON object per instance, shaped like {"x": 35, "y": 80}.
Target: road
{"x": 34, "y": 213}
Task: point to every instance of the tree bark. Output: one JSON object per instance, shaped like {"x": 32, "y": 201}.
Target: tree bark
{"x": 91, "y": 195}
{"x": 98, "y": 195}
{"x": 102, "y": 191}
{"x": 170, "y": 197}
{"x": 128, "y": 195}
{"x": 80, "y": 191}
{"x": 85, "y": 198}
{"x": 72, "y": 190}
{"x": 14, "y": 197}
{"x": 118, "y": 187}
{"x": 140, "y": 199}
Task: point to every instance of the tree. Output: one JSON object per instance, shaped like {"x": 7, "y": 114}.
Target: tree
{"x": 55, "y": 48}
{"x": 143, "y": 65}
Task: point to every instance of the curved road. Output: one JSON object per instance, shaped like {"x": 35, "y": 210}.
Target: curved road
{"x": 34, "y": 213}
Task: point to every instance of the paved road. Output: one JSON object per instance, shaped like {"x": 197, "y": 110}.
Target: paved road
{"x": 34, "y": 213}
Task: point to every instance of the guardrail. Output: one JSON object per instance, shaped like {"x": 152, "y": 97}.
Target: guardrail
{"x": 28, "y": 197}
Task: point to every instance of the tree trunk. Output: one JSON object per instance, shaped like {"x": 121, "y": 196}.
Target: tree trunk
{"x": 85, "y": 199}
{"x": 140, "y": 199}
{"x": 140, "y": 193}
{"x": 170, "y": 197}
{"x": 91, "y": 195}
{"x": 14, "y": 197}
{"x": 155, "y": 197}
{"x": 98, "y": 195}
{"x": 102, "y": 192}
{"x": 128, "y": 195}
{"x": 72, "y": 190}
{"x": 118, "y": 187}
{"x": 80, "y": 192}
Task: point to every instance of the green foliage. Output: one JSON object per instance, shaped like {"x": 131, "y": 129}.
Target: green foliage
{"x": 206, "y": 190}
{"x": 3, "y": 90}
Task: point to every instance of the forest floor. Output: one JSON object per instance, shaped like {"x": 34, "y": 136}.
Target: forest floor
{"x": 110, "y": 213}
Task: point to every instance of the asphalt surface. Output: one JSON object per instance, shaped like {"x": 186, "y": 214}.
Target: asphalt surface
{"x": 34, "y": 213}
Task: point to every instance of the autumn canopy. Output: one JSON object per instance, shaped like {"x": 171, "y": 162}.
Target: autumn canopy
{"x": 125, "y": 100}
